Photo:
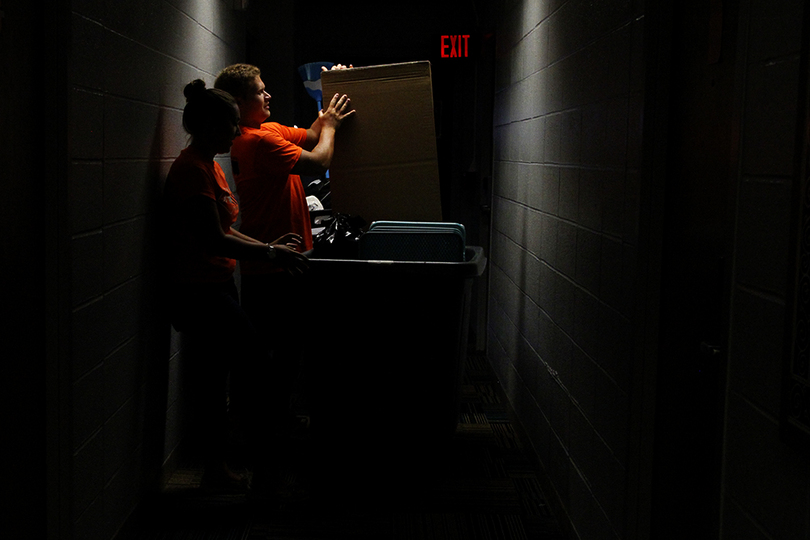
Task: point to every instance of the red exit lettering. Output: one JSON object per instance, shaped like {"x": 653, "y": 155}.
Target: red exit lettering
{"x": 455, "y": 46}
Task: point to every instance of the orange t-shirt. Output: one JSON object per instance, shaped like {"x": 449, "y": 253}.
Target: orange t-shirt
{"x": 273, "y": 201}
{"x": 193, "y": 175}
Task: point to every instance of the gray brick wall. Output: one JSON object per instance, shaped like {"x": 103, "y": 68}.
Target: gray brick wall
{"x": 129, "y": 63}
{"x": 565, "y": 241}
{"x": 566, "y": 236}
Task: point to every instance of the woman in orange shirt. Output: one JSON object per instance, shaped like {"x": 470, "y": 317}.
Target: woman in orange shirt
{"x": 203, "y": 299}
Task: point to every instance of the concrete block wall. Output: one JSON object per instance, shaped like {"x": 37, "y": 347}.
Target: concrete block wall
{"x": 129, "y": 62}
{"x": 565, "y": 236}
{"x": 766, "y": 483}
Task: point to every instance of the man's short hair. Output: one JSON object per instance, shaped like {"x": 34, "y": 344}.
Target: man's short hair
{"x": 236, "y": 79}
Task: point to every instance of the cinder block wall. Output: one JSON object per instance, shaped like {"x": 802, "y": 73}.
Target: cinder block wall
{"x": 129, "y": 62}
{"x": 766, "y": 483}
{"x": 565, "y": 239}
{"x": 567, "y": 128}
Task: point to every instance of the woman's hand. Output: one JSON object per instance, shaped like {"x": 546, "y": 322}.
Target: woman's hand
{"x": 291, "y": 240}
{"x": 287, "y": 255}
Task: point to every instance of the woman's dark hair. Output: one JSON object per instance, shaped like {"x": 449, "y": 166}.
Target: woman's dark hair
{"x": 204, "y": 105}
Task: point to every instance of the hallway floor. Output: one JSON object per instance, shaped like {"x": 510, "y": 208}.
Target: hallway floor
{"x": 479, "y": 485}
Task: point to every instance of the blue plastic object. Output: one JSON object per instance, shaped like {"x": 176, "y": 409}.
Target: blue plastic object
{"x": 311, "y": 75}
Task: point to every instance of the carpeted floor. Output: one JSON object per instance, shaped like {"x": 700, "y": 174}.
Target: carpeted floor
{"x": 477, "y": 485}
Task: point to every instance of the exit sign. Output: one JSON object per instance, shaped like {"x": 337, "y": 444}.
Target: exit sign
{"x": 455, "y": 46}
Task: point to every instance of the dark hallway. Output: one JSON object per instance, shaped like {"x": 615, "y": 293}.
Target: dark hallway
{"x": 634, "y": 170}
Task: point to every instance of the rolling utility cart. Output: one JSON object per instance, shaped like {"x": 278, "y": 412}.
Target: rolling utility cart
{"x": 387, "y": 353}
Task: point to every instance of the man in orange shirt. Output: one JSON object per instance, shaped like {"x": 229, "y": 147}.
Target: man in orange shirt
{"x": 267, "y": 159}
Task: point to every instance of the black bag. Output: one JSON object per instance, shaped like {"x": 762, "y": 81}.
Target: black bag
{"x": 340, "y": 237}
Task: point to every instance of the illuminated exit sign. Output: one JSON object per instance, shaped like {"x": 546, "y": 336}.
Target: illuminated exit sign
{"x": 455, "y": 46}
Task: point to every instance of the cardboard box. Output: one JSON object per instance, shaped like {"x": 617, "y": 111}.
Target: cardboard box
{"x": 385, "y": 165}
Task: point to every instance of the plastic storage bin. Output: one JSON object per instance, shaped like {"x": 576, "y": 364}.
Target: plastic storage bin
{"x": 414, "y": 241}
{"x": 387, "y": 350}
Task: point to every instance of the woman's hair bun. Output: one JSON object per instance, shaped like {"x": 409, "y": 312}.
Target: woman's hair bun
{"x": 203, "y": 104}
{"x": 194, "y": 89}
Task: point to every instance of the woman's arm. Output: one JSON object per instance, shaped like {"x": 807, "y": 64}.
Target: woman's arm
{"x": 202, "y": 217}
{"x": 245, "y": 237}
{"x": 290, "y": 240}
